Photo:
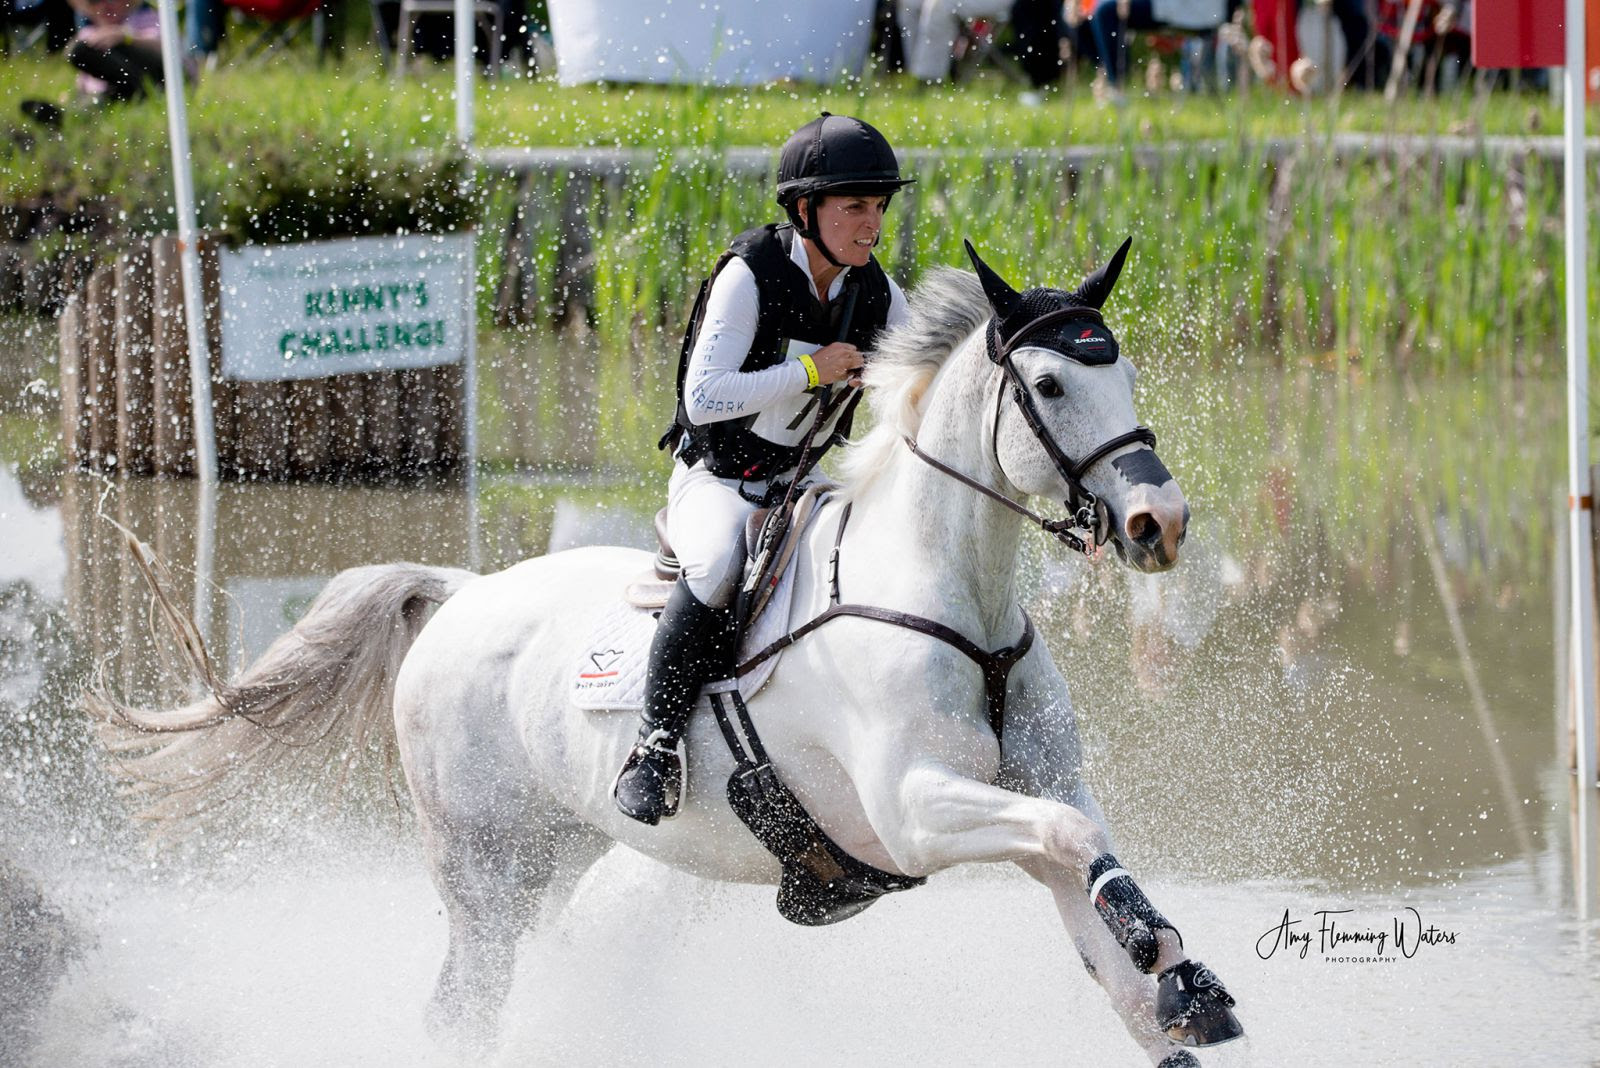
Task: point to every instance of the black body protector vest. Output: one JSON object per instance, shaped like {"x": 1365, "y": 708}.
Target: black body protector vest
{"x": 787, "y": 311}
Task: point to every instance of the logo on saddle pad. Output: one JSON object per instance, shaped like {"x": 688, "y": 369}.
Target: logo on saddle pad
{"x": 604, "y": 662}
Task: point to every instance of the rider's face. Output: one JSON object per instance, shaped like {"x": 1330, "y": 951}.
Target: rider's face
{"x": 849, "y": 227}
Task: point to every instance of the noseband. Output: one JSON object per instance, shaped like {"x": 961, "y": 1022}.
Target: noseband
{"x": 1089, "y": 524}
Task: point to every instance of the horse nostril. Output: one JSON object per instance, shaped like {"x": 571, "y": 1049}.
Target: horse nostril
{"x": 1143, "y": 528}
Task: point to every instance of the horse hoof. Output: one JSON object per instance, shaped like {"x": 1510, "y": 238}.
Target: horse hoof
{"x": 1194, "y": 1008}
{"x": 1179, "y": 1058}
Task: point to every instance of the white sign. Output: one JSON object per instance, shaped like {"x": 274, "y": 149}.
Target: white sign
{"x": 353, "y": 304}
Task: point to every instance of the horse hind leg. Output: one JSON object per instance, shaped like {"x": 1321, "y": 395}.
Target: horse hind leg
{"x": 494, "y": 880}
{"x": 493, "y": 839}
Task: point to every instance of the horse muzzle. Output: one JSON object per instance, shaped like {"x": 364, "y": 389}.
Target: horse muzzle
{"x": 1151, "y": 532}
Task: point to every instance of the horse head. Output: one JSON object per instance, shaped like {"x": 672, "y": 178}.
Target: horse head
{"x": 1071, "y": 431}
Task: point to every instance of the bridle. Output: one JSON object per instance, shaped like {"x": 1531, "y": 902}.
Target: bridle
{"x": 1088, "y": 525}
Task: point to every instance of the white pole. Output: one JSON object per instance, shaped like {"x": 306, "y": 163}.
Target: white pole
{"x": 470, "y": 404}
{"x": 205, "y": 446}
{"x": 1579, "y": 490}
{"x": 465, "y": 27}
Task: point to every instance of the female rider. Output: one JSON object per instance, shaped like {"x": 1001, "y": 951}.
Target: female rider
{"x": 779, "y": 325}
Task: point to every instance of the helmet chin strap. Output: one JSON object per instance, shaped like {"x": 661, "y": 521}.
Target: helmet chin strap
{"x": 809, "y": 231}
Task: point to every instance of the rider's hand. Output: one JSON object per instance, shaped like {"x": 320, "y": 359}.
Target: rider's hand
{"x": 836, "y": 361}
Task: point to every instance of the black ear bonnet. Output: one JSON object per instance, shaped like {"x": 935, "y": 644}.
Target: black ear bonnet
{"x": 1068, "y": 323}
{"x": 1081, "y": 335}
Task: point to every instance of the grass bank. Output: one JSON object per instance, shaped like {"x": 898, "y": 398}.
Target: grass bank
{"x": 292, "y": 124}
{"x": 1368, "y": 264}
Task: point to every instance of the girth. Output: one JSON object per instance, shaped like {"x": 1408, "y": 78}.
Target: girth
{"x": 822, "y": 883}
{"x": 996, "y": 665}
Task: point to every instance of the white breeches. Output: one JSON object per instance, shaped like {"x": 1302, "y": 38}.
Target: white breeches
{"x": 705, "y": 522}
{"x": 930, "y": 29}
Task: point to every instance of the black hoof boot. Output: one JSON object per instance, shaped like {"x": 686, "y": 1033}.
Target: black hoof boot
{"x": 650, "y": 786}
{"x": 1194, "y": 1008}
{"x": 1179, "y": 1058}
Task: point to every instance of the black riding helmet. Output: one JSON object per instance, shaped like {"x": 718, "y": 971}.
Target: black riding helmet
{"x": 838, "y": 155}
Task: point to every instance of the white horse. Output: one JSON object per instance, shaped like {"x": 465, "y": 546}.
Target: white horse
{"x": 882, "y": 732}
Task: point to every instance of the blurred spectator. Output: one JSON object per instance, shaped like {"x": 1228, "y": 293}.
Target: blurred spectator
{"x": 1115, "y": 20}
{"x": 1277, "y": 22}
{"x": 54, "y": 15}
{"x": 1037, "y": 27}
{"x": 888, "y": 40}
{"x": 204, "y": 23}
{"x": 1440, "y": 34}
{"x": 434, "y": 34}
{"x": 118, "y": 51}
{"x": 931, "y": 27}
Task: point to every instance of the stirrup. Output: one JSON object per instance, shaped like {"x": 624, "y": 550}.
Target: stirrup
{"x": 654, "y": 766}
{"x": 1194, "y": 1008}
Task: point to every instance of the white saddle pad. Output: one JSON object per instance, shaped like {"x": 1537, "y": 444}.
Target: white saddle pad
{"x": 610, "y": 673}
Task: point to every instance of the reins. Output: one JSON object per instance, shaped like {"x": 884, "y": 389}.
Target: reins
{"x": 1060, "y": 529}
{"x": 1089, "y": 515}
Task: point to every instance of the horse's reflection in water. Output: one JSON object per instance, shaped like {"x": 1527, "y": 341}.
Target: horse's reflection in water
{"x": 887, "y": 735}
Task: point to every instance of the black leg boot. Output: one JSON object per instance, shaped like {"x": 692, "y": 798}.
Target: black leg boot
{"x": 1192, "y": 1005}
{"x": 691, "y": 644}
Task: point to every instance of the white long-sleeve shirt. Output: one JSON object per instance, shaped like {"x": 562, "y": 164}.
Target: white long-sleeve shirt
{"x": 715, "y": 389}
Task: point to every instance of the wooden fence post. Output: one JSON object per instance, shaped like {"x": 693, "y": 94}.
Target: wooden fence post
{"x": 134, "y": 389}
{"x": 381, "y": 390}
{"x": 172, "y": 422}
{"x": 450, "y": 393}
{"x": 310, "y": 420}
{"x": 419, "y": 420}
{"x": 99, "y": 342}
{"x": 224, "y": 394}
{"x": 262, "y": 429}
{"x": 10, "y": 276}
{"x": 74, "y": 385}
{"x": 347, "y": 424}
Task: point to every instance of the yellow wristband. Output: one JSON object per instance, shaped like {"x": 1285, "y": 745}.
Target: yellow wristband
{"x": 812, "y": 378}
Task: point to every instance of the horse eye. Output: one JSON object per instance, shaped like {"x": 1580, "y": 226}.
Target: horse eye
{"x": 1048, "y": 387}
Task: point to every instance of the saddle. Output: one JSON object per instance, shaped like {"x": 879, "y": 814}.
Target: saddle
{"x": 770, "y": 538}
{"x": 821, "y": 884}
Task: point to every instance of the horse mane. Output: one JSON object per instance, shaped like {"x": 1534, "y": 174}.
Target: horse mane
{"x": 945, "y": 308}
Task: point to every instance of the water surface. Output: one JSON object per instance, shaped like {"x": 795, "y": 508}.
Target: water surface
{"x": 1285, "y": 725}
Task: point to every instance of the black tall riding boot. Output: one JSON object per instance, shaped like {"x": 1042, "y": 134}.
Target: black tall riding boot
{"x": 691, "y": 645}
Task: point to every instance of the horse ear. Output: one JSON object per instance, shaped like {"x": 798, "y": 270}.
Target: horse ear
{"x": 1002, "y": 298}
{"x": 1098, "y": 286}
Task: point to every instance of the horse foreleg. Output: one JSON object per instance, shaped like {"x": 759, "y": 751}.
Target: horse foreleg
{"x": 936, "y": 818}
{"x": 930, "y": 817}
{"x": 1130, "y": 991}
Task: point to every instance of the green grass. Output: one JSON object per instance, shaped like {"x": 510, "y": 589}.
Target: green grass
{"x": 348, "y": 119}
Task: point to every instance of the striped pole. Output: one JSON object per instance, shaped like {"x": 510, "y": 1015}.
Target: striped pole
{"x": 1580, "y": 492}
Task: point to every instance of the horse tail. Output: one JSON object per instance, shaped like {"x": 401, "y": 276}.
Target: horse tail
{"x": 321, "y": 694}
